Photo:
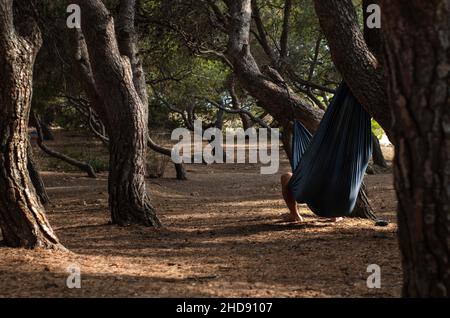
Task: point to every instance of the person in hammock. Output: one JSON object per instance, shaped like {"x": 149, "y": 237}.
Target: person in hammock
{"x": 294, "y": 214}
{"x": 328, "y": 168}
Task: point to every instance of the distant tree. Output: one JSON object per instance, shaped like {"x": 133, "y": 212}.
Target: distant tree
{"x": 128, "y": 45}
{"x": 114, "y": 91}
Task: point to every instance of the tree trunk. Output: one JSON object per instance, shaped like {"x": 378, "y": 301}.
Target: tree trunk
{"x": 181, "y": 172}
{"x": 117, "y": 102}
{"x": 48, "y": 117}
{"x": 417, "y": 44}
{"x": 35, "y": 176}
{"x": 127, "y": 39}
{"x": 377, "y": 154}
{"x": 363, "y": 209}
{"x": 47, "y": 133}
{"x": 22, "y": 217}
{"x": 179, "y": 167}
{"x": 353, "y": 58}
{"x": 128, "y": 200}
{"x": 264, "y": 84}
{"x": 245, "y": 119}
{"x": 374, "y": 37}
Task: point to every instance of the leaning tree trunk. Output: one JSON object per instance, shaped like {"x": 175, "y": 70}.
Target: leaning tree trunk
{"x": 122, "y": 111}
{"x": 417, "y": 44}
{"x": 22, "y": 217}
{"x": 83, "y": 166}
{"x": 355, "y": 60}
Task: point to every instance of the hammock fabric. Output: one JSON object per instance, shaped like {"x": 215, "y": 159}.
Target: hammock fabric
{"x": 328, "y": 168}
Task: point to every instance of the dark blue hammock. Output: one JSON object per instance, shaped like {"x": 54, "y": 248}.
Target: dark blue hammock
{"x": 328, "y": 168}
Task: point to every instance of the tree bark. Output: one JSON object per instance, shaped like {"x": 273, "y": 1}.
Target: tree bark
{"x": 353, "y": 58}
{"x": 374, "y": 37}
{"x": 122, "y": 111}
{"x": 417, "y": 45}
{"x": 22, "y": 217}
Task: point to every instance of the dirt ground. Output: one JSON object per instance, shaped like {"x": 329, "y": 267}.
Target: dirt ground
{"x": 224, "y": 236}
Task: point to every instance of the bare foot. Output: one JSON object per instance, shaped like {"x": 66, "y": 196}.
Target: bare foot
{"x": 288, "y": 217}
{"x": 339, "y": 219}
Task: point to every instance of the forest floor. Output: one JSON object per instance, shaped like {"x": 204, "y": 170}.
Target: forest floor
{"x": 223, "y": 236}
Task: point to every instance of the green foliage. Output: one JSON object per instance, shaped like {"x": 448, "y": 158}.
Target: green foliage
{"x": 376, "y": 129}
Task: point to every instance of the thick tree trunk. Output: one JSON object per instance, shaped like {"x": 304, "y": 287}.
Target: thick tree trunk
{"x": 120, "y": 108}
{"x": 374, "y": 40}
{"x": 128, "y": 199}
{"x": 35, "y": 177}
{"x": 417, "y": 44}
{"x": 353, "y": 58}
{"x": 22, "y": 217}
{"x": 127, "y": 42}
